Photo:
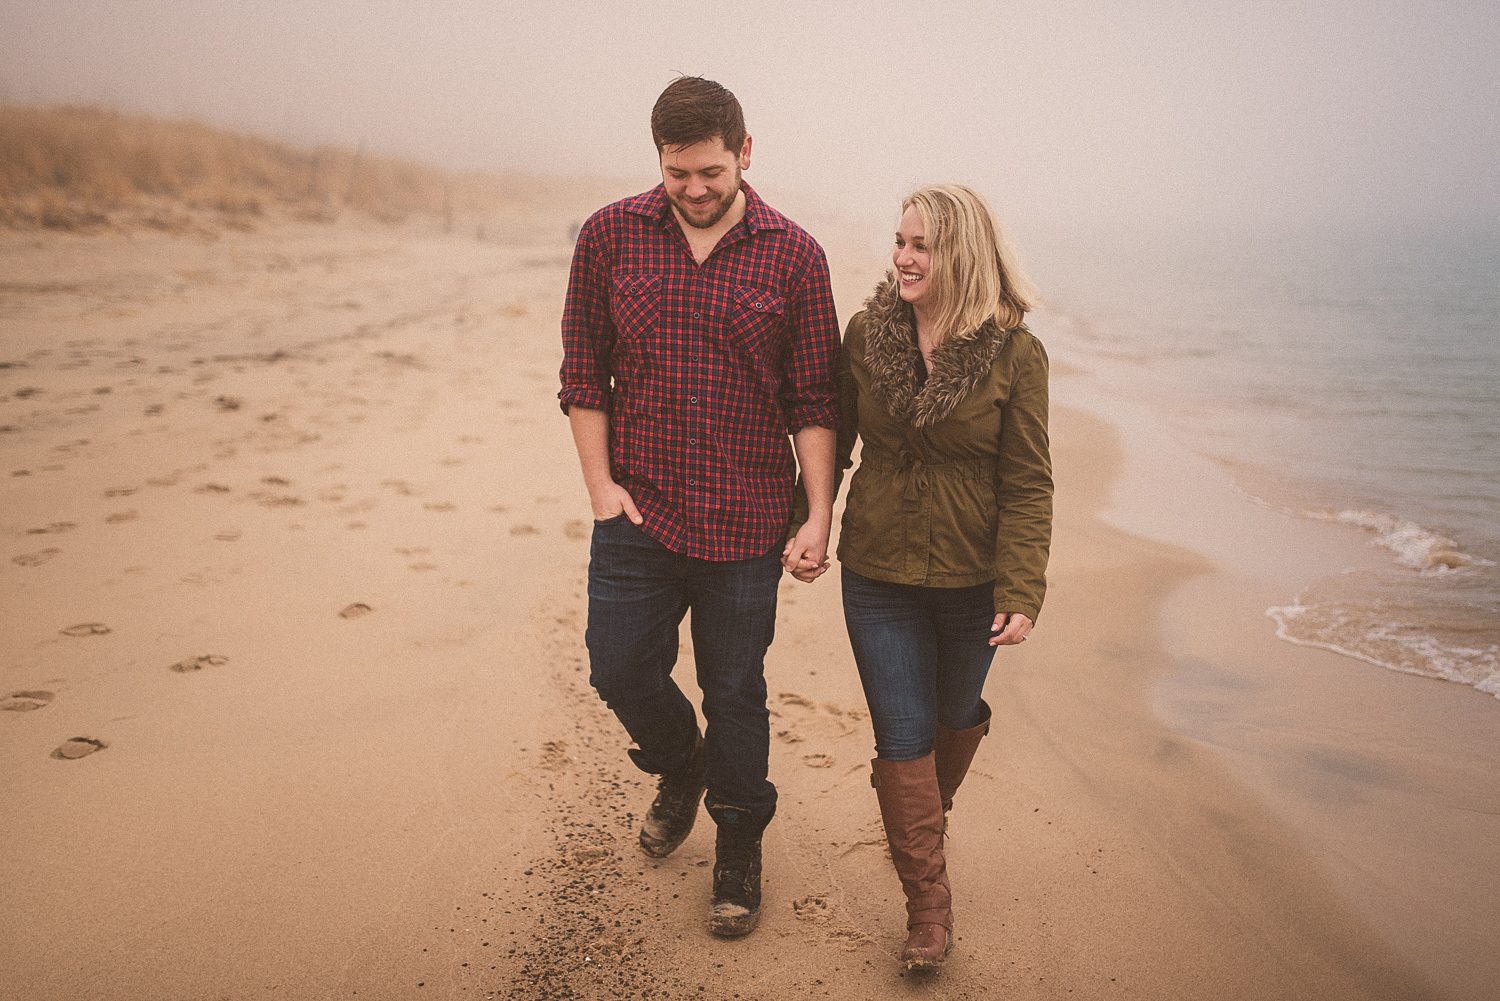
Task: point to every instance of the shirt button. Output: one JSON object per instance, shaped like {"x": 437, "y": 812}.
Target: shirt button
{"x": 692, "y": 483}
{"x": 692, "y": 441}
{"x": 692, "y": 399}
{"x": 697, "y": 315}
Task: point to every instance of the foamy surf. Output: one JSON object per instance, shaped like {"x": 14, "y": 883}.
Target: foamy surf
{"x": 1360, "y": 631}
{"x": 1422, "y": 623}
{"x": 1415, "y": 547}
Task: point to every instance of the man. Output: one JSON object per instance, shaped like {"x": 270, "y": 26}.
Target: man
{"x": 699, "y": 331}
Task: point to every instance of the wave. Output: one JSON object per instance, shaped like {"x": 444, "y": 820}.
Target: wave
{"x": 1415, "y": 547}
{"x": 1366, "y": 632}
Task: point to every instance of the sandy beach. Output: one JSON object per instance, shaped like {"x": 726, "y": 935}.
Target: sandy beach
{"x": 295, "y": 546}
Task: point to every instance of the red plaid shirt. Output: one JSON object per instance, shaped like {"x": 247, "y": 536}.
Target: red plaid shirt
{"x": 704, "y": 370}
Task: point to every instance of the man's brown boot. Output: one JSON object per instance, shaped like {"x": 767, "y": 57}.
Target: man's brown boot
{"x": 735, "y": 907}
{"x": 912, "y": 810}
{"x": 670, "y": 819}
{"x": 954, "y": 750}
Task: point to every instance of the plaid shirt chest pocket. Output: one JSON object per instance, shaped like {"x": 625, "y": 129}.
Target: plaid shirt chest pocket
{"x": 635, "y": 305}
{"x": 756, "y": 320}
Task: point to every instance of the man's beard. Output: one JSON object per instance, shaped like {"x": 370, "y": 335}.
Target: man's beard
{"x": 708, "y": 216}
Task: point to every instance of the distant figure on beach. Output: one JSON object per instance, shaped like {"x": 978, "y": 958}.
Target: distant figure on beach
{"x": 698, "y": 333}
{"x": 949, "y": 518}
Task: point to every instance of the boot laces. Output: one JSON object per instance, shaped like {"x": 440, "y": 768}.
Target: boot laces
{"x": 736, "y": 866}
{"x": 674, "y": 791}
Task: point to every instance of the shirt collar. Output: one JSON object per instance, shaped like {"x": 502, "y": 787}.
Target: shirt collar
{"x": 654, "y": 205}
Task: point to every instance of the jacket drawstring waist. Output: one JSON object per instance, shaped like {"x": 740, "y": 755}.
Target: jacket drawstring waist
{"x": 916, "y": 476}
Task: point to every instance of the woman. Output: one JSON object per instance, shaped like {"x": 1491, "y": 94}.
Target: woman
{"x": 948, "y": 522}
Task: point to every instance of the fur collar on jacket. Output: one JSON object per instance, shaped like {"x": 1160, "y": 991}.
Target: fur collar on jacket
{"x": 892, "y": 357}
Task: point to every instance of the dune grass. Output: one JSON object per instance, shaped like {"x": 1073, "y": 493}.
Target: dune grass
{"x": 81, "y": 168}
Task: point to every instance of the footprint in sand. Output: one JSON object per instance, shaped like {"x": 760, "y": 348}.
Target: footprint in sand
{"x": 198, "y": 663}
{"x": 576, "y": 529}
{"x": 121, "y": 516}
{"x": 56, "y": 528}
{"x": 355, "y": 610}
{"x": 119, "y": 491}
{"x": 424, "y": 566}
{"x": 275, "y": 481}
{"x": 78, "y": 747}
{"x": 86, "y": 629}
{"x": 211, "y": 488}
{"x": 443, "y": 506}
{"x": 789, "y": 736}
{"x": 555, "y": 756}
{"x": 816, "y": 909}
{"x": 523, "y": 530}
{"x": 25, "y": 702}
{"x": 285, "y": 501}
{"x": 227, "y": 535}
{"x": 848, "y": 939}
{"x": 818, "y": 760}
{"x": 37, "y": 558}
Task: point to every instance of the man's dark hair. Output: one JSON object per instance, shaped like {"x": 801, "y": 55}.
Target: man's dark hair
{"x": 693, "y": 109}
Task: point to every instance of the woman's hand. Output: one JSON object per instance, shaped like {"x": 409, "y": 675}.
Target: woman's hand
{"x": 1011, "y": 627}
{"x": 805, "y": 557}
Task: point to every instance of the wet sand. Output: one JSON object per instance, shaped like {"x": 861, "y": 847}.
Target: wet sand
{"x": 308, "y": 493}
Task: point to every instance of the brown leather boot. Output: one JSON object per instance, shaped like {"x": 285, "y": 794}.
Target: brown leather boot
{"x": 912, "y": 811}
{"x": 954, "y": 750}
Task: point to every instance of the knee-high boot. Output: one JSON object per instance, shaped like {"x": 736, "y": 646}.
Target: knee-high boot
{"x": 953, "y": 751}
{"x": 912, "y": 811}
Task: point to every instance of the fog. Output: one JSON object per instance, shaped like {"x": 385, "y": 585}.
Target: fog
{"x": 1153, "y": 115}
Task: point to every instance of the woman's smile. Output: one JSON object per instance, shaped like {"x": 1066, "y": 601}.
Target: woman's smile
{"x": 911, "y": 257}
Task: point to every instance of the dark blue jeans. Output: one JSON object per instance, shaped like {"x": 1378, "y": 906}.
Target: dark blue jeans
{"x": 923, "y": 654}
{"x": 639, "y": 590}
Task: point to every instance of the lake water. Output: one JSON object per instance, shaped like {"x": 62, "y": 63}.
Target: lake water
{"x": 1348, "y": 374}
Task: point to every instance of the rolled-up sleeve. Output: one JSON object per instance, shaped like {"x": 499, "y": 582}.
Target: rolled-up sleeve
{"x": 1024, "y": 489}
{"x": 588, "y": 331}
{"x": 809, "y": 395}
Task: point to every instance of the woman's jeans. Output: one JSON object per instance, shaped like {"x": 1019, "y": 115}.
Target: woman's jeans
{"x": 639, "y": 590}
{"x": 923, "y": 654}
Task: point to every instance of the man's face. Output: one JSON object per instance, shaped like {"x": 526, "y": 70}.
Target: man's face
{"x": 702, "y": 179}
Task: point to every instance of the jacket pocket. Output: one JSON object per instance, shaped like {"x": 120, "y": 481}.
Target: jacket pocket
{"x": 756, "y": 320}
{"x": 635, "y": 304}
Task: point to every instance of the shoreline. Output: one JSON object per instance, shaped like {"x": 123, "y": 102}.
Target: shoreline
{"x": 426, "y": 798}
{"x": 1359, "y": 761}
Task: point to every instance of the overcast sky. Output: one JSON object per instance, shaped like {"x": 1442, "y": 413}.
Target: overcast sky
{"x": 1065, "y": 113}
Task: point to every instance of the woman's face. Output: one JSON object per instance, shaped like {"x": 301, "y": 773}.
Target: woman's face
{"x": 913, "y": 263}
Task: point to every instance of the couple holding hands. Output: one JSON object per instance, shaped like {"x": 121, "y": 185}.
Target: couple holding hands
{"x": 699, "y": 333}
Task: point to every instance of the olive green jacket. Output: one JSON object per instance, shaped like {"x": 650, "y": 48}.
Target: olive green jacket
{"x": 954, "y": 485}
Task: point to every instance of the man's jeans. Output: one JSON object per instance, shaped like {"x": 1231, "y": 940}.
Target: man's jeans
{"x": 639, "y": 590}
{"x": 923, "y": 654}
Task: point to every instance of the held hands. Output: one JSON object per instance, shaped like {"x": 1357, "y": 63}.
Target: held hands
{"x": 610, "y": 499}
{"x": 1011, "y": 627}
{"x": 806, "y": 555}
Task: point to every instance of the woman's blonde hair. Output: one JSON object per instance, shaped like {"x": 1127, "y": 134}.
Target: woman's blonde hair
{"x": 978, "y": 276}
